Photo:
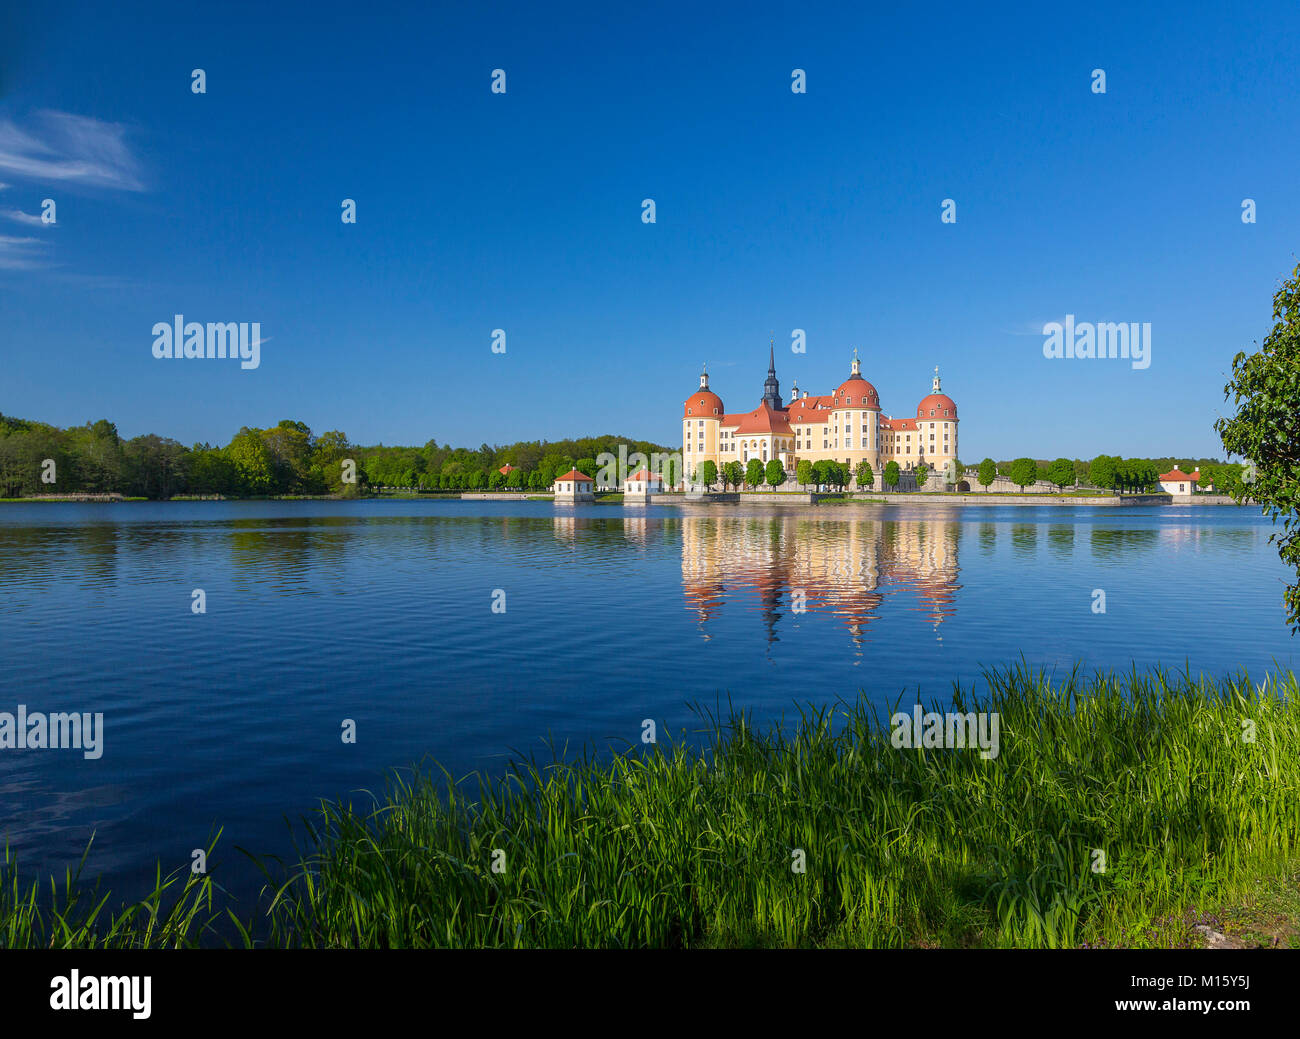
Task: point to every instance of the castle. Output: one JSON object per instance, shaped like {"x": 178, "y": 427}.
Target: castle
{"x": 846, "y": 426}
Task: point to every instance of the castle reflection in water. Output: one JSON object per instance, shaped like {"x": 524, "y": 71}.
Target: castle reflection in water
{"x": 784, "y": 565}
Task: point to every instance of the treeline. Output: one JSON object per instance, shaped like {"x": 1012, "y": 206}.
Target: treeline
{"x": 36, "y": 458}
{"x": 1111, "y": 472}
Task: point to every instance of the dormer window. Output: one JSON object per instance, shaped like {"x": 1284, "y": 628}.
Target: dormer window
{"x": 688, "y": 411}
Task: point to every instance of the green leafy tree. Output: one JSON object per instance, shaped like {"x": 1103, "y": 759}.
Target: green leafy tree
{"x": 212, "y": 472}
{"x": 988, "y": 472}
{"x": 1061, "y": 473}
{"x": 253, "y": 462}
{"x": 774, "y": 474}
{"x": 1103, "y": 472}
{"x": 708, "y": 474}
{"x": 754, "y": 472}
{"x": 1265, "y": 387}
{"x": 735, "y": 473}
{"x": 866, "y": 477}
{"x": 892, "y": 473}
{"x": 922, "y": 473}
{"x": 155, "y": 467}
{"x": 1024, "y": 471}
{"x": 803, "y": 473}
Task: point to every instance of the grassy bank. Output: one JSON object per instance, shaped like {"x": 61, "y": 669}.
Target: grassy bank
{"x": 670, "y": 846}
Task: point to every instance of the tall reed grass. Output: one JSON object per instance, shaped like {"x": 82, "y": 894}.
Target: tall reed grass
{"x": 692, "y": 845}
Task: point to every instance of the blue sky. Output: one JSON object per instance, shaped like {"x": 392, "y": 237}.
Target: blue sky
{"x": 522, "y": 211}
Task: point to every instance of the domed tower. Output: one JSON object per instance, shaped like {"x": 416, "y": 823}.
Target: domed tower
{"x": 701, "y": 419}
{"x": 936, "y": 421}
{"x": 855, "y": 420}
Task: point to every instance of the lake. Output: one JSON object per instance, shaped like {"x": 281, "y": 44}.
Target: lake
{"x": 470, "y": 630}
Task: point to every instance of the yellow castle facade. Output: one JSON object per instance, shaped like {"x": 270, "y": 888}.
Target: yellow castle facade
{"x": 847, "y": 425}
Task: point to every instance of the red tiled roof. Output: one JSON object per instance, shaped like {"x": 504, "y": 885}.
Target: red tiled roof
{"x": 808, "y": 410}
{"x": 573, "y": 474}
{"x": 939, "y": 402}
{"x": 645, "y": 474}
{"x": 1178, "y": 474}
{"x": 761, "y": 420}
{"x": 855, "y": 387}
{"x": 506, "y": 469}
{"x": 702, "y": 402}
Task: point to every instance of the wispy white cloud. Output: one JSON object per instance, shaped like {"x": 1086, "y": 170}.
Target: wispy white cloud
{"x": 19, "y": 217}
{"x": 1025, "y": 328}
{"x": 70, "y": 149}
{"x": 21, "y": 254}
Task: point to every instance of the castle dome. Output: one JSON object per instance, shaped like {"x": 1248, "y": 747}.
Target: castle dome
{"x": 855, "y": 391}
{"x": 936, "y": 405}
{"x": 703, "y": 403}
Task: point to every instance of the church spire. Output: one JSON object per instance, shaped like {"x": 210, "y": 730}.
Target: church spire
{"x": 771, "y": 387}
{"x": 935, "y": 384}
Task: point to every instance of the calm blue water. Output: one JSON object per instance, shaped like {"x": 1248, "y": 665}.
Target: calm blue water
{"x": 381, "y": 612}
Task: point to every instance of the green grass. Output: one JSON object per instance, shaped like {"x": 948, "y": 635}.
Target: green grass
{"x": 1264, "y": 912}
{"x": 179, "y": 911}
{"x": 681, "y": 846}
